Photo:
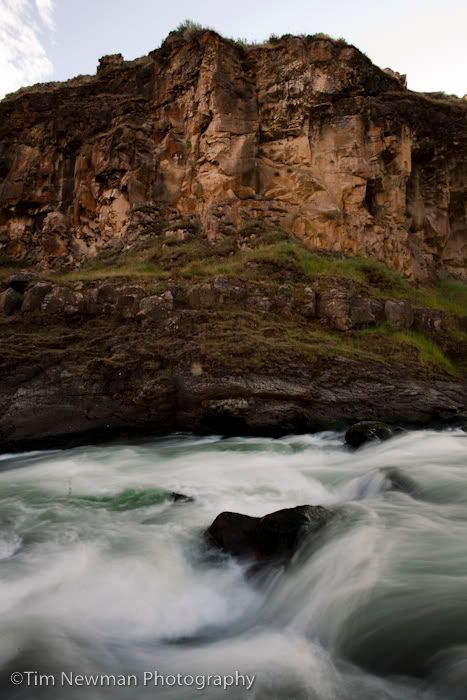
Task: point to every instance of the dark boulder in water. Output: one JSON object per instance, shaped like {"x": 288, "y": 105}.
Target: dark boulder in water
{"x": 273, "y": 538}
{"x": 367, "y": 431}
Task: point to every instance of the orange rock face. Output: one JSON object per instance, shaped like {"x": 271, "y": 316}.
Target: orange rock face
{"x": 303, "y": 135}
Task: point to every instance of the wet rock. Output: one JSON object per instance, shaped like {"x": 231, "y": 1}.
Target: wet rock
{"x": 35, "y": 295}
{"x": 270, "y": 539}
{"x": 180, "y": 497}
{"x": 399, "y": 313}
{"x": 367, "y": 431}
{"x": 10, "y": 301}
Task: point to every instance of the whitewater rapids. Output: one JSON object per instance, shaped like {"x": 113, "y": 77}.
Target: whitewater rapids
{"x": 100, "y": 574}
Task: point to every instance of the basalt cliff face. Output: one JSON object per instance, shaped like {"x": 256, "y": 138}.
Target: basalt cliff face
{"x": 174, "y": 234}
{"x": 304, "y": 135}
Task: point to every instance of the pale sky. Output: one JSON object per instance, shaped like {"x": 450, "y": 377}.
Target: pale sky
{"x": 43, "y": 40}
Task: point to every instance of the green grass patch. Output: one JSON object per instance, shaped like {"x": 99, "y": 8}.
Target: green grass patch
{"x": 405, "y": 344}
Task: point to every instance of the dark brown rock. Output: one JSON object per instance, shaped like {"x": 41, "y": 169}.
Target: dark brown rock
{"x": 155, "y": 309}
{"x": 334, "y": 304}
{"x": 63, "y": 300}
{"x": 429, "y": 321}
{"x": 365, "y": 311}
{"x": 399, "y": 313}
{"x": 10, "y": 301}
{"x": 202, "y": 296}
{"x": 35, "y": 295}
{"x": 273, "y": 538}
{"x": 367, "y": 431}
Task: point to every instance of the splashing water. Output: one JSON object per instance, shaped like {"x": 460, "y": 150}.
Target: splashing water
{"x": 101, "y": 574}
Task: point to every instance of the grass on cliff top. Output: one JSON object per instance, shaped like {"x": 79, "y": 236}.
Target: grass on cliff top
{"x": 273, "y": 258}
{"x": 189, "y": 29}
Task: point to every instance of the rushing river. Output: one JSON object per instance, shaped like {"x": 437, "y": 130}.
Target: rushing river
{"x": 99, "y": 574}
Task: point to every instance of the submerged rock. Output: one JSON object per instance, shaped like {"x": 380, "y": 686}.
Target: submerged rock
{"x": 173, "y": 496}
{"x": 273, "y": 538}
{"x": 397, "y": 480}
{"x": 367, "y": 431}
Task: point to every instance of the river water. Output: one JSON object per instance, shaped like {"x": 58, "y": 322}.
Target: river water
{"x": 100, "y": 574}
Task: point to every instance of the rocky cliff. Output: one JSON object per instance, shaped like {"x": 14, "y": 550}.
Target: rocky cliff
{"x": 175, "y": 236}
{"x": 302, "y": 134}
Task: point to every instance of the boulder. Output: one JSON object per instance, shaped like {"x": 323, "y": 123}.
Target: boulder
{"x": 128, "y": 299}
{"x": 63, "y": 300}
{"x": 101, "y": 299}
{"x": 273, "y": 538}
{"x": 155, "y": 308}
{"x": 35, "y": 295}
{"x": 227, "y": 292}
{"x": 429, "y": 321}
{"x": 19, "y": 280}
{"x": 308, "y": 307}
{"x": 10, "y": 301}
{"x": 202, "y": 296}
{"x": 334, "y": 305}
{"x": 180, "y": 497}
{"x": 365, "y": 311}
{"x": 367, "y": 431}
{"x": 399, "y": 313}
{"x": 259, "y": 303}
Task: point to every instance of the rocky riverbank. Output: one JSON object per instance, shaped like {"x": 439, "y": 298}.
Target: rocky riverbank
{"x": 230, "y": 239}
{"x": 221, "y": 355}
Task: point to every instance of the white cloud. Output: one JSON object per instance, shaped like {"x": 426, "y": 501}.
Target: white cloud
{"x": 46, "y": 12}
{"x": 24, "y": 24}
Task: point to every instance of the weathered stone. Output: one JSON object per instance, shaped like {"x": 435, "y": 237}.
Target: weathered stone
{"x": 128, "y": 301}
{"x": 228, "y": 291}
{"x": 365, "y": 311}
{"x": 334, "y": 305}
{"x": 307, "y": 137}
{"x": 429, "y": 320}
{"x": 399, "y": 313}
{"x": 308, "y": 307}
{"x": 201, "y": 296}
{"x": 10, "y": 301}
{"x": 273, "y": 538}
{"x": 19, "y": 280}
{"x": 260, "y": 303}
{"x": 63, "y": 300}
{"x": 156, "y": 308}
{"x": 35, "y": 295}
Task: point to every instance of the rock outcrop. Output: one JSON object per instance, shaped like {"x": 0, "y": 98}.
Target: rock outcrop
{"x": 154, "y": 226}
{"x": 301, "y": 134}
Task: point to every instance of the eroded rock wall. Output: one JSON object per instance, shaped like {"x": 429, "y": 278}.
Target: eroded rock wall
{"x": 303, "y": 135}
